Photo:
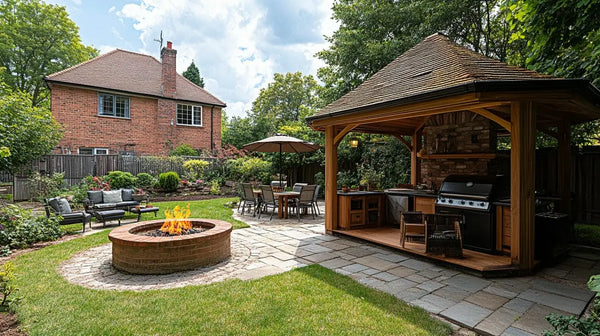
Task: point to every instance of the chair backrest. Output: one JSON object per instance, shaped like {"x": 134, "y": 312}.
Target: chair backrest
{"x": 316, "y": 194}
{"x": 443, "y": 222}
{"x": 247, "y": 192}
{"x": 307, "y": 193}
{"x": 267, "y": 193}
{"x": 415, "y": 217}
{"x": 298, "y": 186}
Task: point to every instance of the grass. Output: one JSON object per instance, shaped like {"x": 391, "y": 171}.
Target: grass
{"x": 586, "y": 234}
{"x": 212, "y": 209}
{"x": 309, "y": 301}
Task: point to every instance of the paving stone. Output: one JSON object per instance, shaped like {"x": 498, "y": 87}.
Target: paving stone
{"x": 416, "y": 264}
{"x": 385, "y": 276}
{"x": 493, "y": 289}
{"x": 569, "y": 305}
{"x": 466, "y": 313}
{"x": 433, "y": 303}
{"x": 519, "y": 305}
{"x": 468, "y": 282}
{"x": 430, "y": 285}
{"x": 487, "y": 300}
{"x": 562, "y": 289}
{"x": 429, "y": 274}
{"x": 402, "y": 271}
{"x": 335, "y": 263}
{"x": 452, "y": 293}
{"x": 283, "y": 256}
{"x": 320, "y": 257}
{"x": 376, "y": 263}
{"x": 391, "y": 257}
{"x": 316, "y": 248}
{"x": 354, "y": 268}
{"x": 335, "y": 245}
{"x": 534, "y": 321}
{"x": 357, "y": 251}
{"x": 398, "y": 285}
{"x": 410, "y": 294}
{"x": 417, "y": 278}
{"x": 498, "y": 321}
{"x": 370, "y": 271}
{"x": 512, "y": 331}
{"x": 259, "y": 273}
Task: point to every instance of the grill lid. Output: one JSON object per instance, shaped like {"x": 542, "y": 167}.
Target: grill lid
{"x": 469, "y": 186}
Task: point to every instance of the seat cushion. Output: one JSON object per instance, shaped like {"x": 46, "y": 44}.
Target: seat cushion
{"x": 111, "y": 196}
{"x": 105, "y": 205}
{"x": 59, "y": 205}
{"x": 127, "y": 195}
{"x": 53, "y": 203}
{"x": 95, "y": 196}
{"x": 127, "y": 204}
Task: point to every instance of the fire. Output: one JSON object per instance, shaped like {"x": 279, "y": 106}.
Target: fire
{"x": 176, "y": 221}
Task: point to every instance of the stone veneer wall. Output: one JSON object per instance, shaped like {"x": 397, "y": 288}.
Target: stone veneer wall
{"x": 456, "y": 133}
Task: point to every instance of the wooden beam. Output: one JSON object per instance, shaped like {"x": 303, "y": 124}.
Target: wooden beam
{"x": 331, "y": 203}
{"x": 564, "y": 165}
{"x": 444, "y": 105}
{"x": 415, "y": 164}
{"x": 493, "y": 117}
{"x": 421, "y": 125}
{"x": 343, "y": 133}
{"x": 404, "y": 142}
{"x": 522, "y": 166}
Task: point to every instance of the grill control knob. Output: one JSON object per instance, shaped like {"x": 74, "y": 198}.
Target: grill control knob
{"x": 462, "y": 202}
{"x": 471, "y": 203}
{"x": 450, "y": 201}
{"x": 481, "y": 204}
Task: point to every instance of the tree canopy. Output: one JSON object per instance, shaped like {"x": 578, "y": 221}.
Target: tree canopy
{"x": 37, "y": 39}
{"x": 193, "y": 75}
{"x": 27, "y": 132}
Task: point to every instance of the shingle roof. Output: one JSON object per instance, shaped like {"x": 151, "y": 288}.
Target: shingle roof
{"x": 434, "y": 65}
{"x": 130, "y": 72}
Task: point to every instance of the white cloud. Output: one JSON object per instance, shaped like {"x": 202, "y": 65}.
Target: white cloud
{"x": 238, "y": 45}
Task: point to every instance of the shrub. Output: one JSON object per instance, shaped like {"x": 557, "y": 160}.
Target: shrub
{"x": 96, "y": 183}
{"x": 19, "y": 228}
{"x": 168, "y": 181}
{"x": 215, "y": 187}
{"x": 145, "y": 181}
{"x": 250, "y": 169}
{"x": 7, "y": 274}
{"x": 184, "y": 150}
{"x": 195, "y": 169}
{"x": 118, "y": 179}
{"x": 44, "y": 186}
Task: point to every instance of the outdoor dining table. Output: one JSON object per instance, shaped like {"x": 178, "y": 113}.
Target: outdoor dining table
{"x": 284, "y": 197}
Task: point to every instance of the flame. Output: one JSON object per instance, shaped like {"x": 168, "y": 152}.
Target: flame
{"x": 176, "y": 221}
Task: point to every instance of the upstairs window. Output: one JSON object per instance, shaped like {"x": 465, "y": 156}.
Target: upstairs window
{"x": 113, "y": 105}
{"x": 189, "y": 115}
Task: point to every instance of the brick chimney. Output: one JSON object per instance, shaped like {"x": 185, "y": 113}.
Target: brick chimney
{"x": 168, "y": 58}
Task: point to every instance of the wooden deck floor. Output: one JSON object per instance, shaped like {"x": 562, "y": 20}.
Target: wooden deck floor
{"x": 481, "y": 262}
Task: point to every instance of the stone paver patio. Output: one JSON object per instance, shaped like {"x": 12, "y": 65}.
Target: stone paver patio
{"x": 504, "y": 306}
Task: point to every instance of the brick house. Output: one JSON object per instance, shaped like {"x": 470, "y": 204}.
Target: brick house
{"x": 123, "y": 102}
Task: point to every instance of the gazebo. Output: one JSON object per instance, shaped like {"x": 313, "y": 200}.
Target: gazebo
{"x": 438, "y": 77}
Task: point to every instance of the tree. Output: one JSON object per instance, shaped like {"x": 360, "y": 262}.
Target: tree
{"x": 36, "y": 40}
{"x": 193, "y": 75}
{"x": 28, "y": 132}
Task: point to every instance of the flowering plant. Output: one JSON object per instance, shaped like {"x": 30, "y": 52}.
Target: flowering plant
{"x": 98, "y": 183}
{"x": 139, "y": 191}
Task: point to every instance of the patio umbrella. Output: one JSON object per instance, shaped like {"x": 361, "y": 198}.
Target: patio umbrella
{"x": 281, "y": 143}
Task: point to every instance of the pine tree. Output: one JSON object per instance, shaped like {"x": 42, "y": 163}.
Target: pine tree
{"x": 193, "y": 75}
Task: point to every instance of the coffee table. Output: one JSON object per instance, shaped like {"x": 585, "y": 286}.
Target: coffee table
{"x": 139, "y": 211}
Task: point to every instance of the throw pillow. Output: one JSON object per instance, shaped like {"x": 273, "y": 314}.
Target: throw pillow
{"x": 95, "y": 196}
{"x": 112, "y": 196}
{"x": 126, "y": 195}
{"x": 64, "y": 206}
{"x": 53, "y": 203}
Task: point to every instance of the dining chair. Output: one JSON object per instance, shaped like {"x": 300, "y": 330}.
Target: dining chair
{"x": 305, "y": 200}
{"x": 298, "y": 187}
{"x": 248, "y": 198}
{"x": 268, "y": 200}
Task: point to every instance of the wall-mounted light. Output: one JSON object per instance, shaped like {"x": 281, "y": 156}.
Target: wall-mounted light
{"x": 172, "y": 122}
{"x": 353, "y": 142}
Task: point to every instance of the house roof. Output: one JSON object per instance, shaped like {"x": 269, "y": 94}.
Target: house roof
{"x": 437, "y": 68}
{"x": 130, "y": 72}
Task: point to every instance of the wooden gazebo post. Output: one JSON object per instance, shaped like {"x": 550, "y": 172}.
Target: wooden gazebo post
{"x": 331, "y": 208}
{"x": 522, "y": 167}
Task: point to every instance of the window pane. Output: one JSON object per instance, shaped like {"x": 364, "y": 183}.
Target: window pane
{"x": 198, "y": 115}
{"x": 100, "y": 151}
{"x": 85, "y": 151}
{"x": 184, "y": 114}
{"x": 122, "y": 107}
{"x": 106, "y": 104}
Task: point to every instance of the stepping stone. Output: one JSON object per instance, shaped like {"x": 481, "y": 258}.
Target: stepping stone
{"x": 498, "y": 321}
{"x": 468, "y": 282}
{"x": 466, "y": 314}
{"x": 560, "y": 302}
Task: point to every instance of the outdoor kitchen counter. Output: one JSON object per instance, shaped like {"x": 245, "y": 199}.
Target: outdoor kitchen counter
{"x": 409, "y": 192}
{"x": 359, "y": 193}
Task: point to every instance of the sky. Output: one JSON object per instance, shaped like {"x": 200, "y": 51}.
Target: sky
{"x": 238, "y": 45}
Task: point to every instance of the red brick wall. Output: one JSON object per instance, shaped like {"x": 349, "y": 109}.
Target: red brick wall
{"x": 169, "y": 71}
{"x": 149, "y": 126}
{"x": 459, "y": 132}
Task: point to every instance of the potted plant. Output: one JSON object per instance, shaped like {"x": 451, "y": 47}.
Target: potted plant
{"x": 370, "y": 177}
{"x": 344, "y": 180}
{"x": 139, "y": 195}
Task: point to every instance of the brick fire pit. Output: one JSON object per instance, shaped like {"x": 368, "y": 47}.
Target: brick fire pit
{"x": 139, "y": 254}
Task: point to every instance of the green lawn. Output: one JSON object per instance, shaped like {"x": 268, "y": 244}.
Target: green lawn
{"x": 213, "y": 209}
{"x": 309, "y": 301}
{"x": 587, "y": 234}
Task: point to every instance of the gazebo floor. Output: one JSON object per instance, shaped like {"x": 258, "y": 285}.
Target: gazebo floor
{"x": 486, "y": 264}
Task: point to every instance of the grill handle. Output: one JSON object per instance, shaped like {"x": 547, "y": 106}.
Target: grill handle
{"x": 482, "y": 198}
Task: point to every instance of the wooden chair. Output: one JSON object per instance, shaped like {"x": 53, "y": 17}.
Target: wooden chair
{"x": 412, "y": 227}
{"x": 443, "y": 234}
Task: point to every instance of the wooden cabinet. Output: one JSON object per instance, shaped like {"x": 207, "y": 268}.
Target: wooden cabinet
{"x": 425, "y": 204}
{"x": 358, "y": 210}
{"x": 503, "y": 228}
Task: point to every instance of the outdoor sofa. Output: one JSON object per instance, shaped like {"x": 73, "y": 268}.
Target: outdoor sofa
{"x": 120, "y": 199}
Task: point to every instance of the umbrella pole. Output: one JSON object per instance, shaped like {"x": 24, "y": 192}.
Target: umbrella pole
{"x": 280, "y": 164}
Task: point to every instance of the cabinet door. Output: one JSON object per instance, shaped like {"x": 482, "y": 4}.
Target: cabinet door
{"x": 425, "y": 204}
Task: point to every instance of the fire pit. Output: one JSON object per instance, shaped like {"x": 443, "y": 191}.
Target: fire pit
{"x": 135, "y": 252}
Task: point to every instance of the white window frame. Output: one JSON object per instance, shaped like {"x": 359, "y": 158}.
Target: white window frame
{"x": 115, "y": 98}
{"x": 101, "y": 151}
{"x": 196, "y": 118}
{"x": 94, "y": 150}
